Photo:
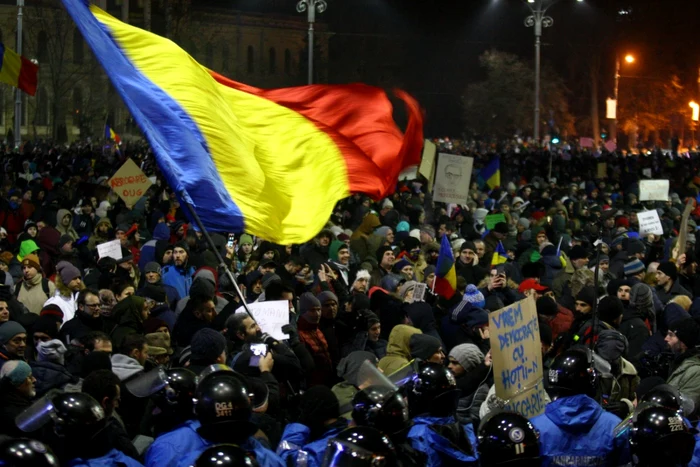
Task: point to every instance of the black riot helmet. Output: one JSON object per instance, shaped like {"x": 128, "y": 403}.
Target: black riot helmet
{"x": 360, "y": 446}
{"x": 433, "y": 390}
{"x": 76, "y": 413}
{"x": 572, "y": 373}
{"x": 178, "y": 394}
{"x": 666, "y": 395}
{"x": 21, "y": 452}
{"x": 226, "y": 455}
{"x": 660, "y": 436}
{"x": 380, "y": 407}
{"x": 224, "y": 398}
{"x": 508, "y": 438}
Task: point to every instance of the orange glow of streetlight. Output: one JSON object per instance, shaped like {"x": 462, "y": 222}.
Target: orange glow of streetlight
{"x": 629, "y": 58}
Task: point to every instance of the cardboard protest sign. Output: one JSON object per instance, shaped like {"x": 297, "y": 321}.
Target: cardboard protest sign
{"x": 653, "y": 190}
{"x": 111, "y": 249}
{"x": 270, "y": 316}
{"x": 427, "y": 163}
{"x": 602, "y": 170}
{"x": 517, "y": 357}
{"x": 130, "y": 183}
{"x": 452, "y": 178}
{"x": 682, "y": 232}
{"x": 493, "y": 219}
{"x": 649, "y": 223}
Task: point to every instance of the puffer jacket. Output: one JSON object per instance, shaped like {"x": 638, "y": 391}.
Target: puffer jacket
{"x": 577, "y": 431}
{"x": 427, "y": 435}
{"x": 685, "y": 374}
{"x": 49, "y": 376}
{"x": 398, "y": 352}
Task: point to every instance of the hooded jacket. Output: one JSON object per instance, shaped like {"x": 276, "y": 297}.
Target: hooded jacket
{"x": 148, "y": 250}
{"x": 127, "y": 314}
{"x": 398, "y": 352}
{"x": 577, "y": 431}
{"x": 425, "y": 437}
{"x": 66, "y": 230}
{"x": 110, "y": 459}
{"x": 295, "y": 444}
{"x": 95, "y": 239}
{"x": 49, "y": 376}
{"x": 685, "y": 374}
{"x": 174, "y": 445}
{"x": 32, "y": 295}
{"x": 47, "y": 240}
{"x": 125, "y": 367}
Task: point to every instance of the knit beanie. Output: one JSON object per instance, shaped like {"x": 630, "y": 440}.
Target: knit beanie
{"x": 468, "y": 245}
{"x": 182, "y": 244}
{"x": 326, "y": 296}
{"x": 633, "y": 267}
{"x": 245, "y": 240}
{"x": 407, "y": 287}
{"x": 269, "y": 278}
{"x": 641, "y": 295}
{"x": 154, "y": 292}
{"x": 380, "y": 253}
{"x": 428, "y": 229}
{"x": 32, "y": 260}
{"x": 525, "y": 222}
{"x": 587, "y": 295}
{"x": 382, "y": 231}
{"x": 371, "y": 318}
{"x": 349, "y": 367}
{"x": 423, "y": 346}
{"x": 430, "y": 269}
{"x": 686, "y": 329}
{"x": 403, "y": 226}
{"x": 336, "y": 246}
{"x": 400, "y": 264}
{"x": 610, "y": 308}
{"x": 67, "y": 271}
{"x": 51, "y": 351}
{"x": 207, "y": 344}
{"x": 152, "y": 267}
{"x": 361, "y": 274}
{"x": 669, "y": 269}
{"x": 10, "y": 329}
{"x": 474, "y": 296}
{"x": 54, "y": 311}
{"x": 468, "y": 355}
{"x": 307, "y": 301}
{"x": 152, "y": 325}
{"x": 546, "y": 306}
{"x": 47, "y": 325}
{"x": 16, "y": 372}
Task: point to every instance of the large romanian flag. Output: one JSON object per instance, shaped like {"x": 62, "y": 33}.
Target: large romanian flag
{"x": 269, "y": 162}
{"x": 18, "y": 71}
{"x": 445, "y": 274}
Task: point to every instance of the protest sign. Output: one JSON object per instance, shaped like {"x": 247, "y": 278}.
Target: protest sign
{"x": 493, "y": 219}
{"x": 649, "y": 223}
{"x": 419, "y": 292}
{"x": 130, "y": 183}
{"x": 452, "y": 178}
{"x": 653, "y": 190}
{"x": 646, "y": 173}
{"x": 602, "y": 170}
{"x": 111, "y": 249}
{"x": 409, "y": 173}
{"x": 427, "y": 163}
{"x": 610, "y": 146}
{"x": 270, "y": 316}
{"x": 517, "y": 357}
{"x": 586, "y": 142}
{"x": 682, "y": 232}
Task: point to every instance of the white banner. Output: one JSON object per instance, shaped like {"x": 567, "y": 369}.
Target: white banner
{"x": 653, "y": 190}
{"x": 452, "y": 178}
{"x": 270, "y": 316}
{"x": 111, "y": 249}
{"x": 649, "y": 223}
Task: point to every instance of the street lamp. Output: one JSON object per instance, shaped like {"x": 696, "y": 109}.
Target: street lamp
{"x": 612, "y": 112}
{"x": 310, "y": 7}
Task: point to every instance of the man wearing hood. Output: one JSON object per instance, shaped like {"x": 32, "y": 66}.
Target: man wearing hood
{"x": 180, "y": 274}
{"x": 47, "y": 240}
{"x": 312, "y": 337}
{"x": 64, "y": 223}
{"x": 398, "y": 352}
{"x": 128, "y": 364}
{"x": 34, "y": 289}
{"x": 204, "y": 283}
{"x": 87, "y": 319}
{"x": 348, "y": 370}
{"x": 683, "y": 337}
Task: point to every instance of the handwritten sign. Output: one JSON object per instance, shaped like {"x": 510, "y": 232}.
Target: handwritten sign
{"x": 427, "y": 163}
{"x": 602, "y": 170}
{"x": 452, "y": 178}
{"x": 111, "y": 249}
{"x": 493, "y": 219}
{"x": 649, "y": 223}
{"x": 517, "y": 357}
{"x": 653, "y": 190}
{"x": 130, "y": 183}
{"x": 270, "y": 316}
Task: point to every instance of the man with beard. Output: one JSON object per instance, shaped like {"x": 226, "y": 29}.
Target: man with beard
{"x": 17, "y": 392}
{"x": 153, "y": 273}
{"x": 100, "y": 233}
{"x": 683, "y": 338}
{"x": 385, "y": 258}
{"x": 180, "y": 274}
{"x": 467, "y": 265}
{"x": 13, "y": 342}
{"x": 87, "y": 319}
{"x": 411, "y": 251}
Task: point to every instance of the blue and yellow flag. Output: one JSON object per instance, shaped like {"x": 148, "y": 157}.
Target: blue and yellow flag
{"x": 491, "y": 174}
{"x": 500, "y": 256}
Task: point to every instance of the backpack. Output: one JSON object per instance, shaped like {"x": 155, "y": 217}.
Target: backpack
{"x": 44, "y": 287}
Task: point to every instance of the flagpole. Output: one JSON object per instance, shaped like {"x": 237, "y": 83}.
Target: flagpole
{"x": 219, "y": 258}
{"x": 18, "y": 92}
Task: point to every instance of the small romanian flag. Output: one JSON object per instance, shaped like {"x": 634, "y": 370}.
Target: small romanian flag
{"x": 111, "y": 134}
{"x": 18, "y": 71}
{"x": 445, "y": 275}
{"x": 491, "y": 174}
{"x": 500, "y": 256}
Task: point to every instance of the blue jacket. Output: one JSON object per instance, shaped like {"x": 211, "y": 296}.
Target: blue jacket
{"x": 438, "y": 449}
{"x": 148, "y": 250}
{"x": 577, "y": 431}
{"x": 178, "y": 278}
{"x": 264, "y": 456}
{"x": 294, "y": 448}
{"x": 112, "y": 458}
{"x": 169, "y": 447}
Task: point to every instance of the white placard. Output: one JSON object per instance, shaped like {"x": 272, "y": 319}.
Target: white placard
{"x": 419, "y": 292}
{"x": 409, "y": 173}
{"x": 653, "y": 190}
{"x": 111, "y": 249}
{"x": 270, "y": 316}
{"x": 646, "y": 173}
{"x": 649, "y": 223}
{"x": 452, "y": 178}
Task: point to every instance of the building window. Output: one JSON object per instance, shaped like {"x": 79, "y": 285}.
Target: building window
{"x": 273, "y": 61}
{"x": 42, "y": 46}
{"x": 224, "y": 58}
{"x": 77, "y": 47}
{"x": 251, "y": 59}
{"x": 209, "y": 55}
{"x": 287, "y": 62}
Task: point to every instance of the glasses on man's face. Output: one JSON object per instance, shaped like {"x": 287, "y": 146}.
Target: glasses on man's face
{"x": 93, "y": 306}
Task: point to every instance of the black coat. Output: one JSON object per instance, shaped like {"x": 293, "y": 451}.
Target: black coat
{"x": 51, "y": 376}
{"x": 80, "y": 326}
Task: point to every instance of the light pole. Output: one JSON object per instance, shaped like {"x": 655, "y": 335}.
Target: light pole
{"x": 613, "y": 125}
{"x": 18, "y": 93}
{"x": 310, "y": 7}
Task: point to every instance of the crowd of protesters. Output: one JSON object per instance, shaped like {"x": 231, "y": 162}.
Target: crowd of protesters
{"x": 83, "y": 331}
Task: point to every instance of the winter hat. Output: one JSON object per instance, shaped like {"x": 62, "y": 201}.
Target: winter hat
{"x": 474, "y": 296}
{"x": 669, "y": 269}
{"x": 610, "y": 308}
{"x": 154, "y": 292}
{"x": 391, "y": 282}
{"x": 54, "y": 311}
{"x": 32, "y": 260}
{"x": 641, "y": 296}
{"x": 635, "y": 246}
{"x": 64, "y": 240}
{"x": 16, "y": 372}
{"x": 546, "y": 306}
{"x": 67, "y": 272}
{"x": 525, "y": 222}
{"x": 423, "y": 346}
{"x": 633, "y": 267}
{"x": 402, "y": 263}
{"x": 152, "y": 267}
{"x": 182, "y": 244}
{"x": 611, "y": 345}
{"x": 207, "y": 344}
{"x": 123, "y": 228}
{"x": 326, "y": 296}
{"x": 51, "y": 351}
{"x": 27, "y": 247}
{"x": 307, "y": 301}
{"x": 349, "y": 367}
{"x": 336, "y": 246}
{"x": 406, "y": 287}
{"x": 578, "y": 252}
{"x": 686, "y": 329}
{"x": 382, "y": 231}
{"x": 380, "y": 252}
{"x": 245, "y": 240}
{"x": 428, "y": 229}
{"x": 468, "y": 245}
{"x": 361, "y": 274}
{"x": 269, "y": 278}
{"x": 403, "y": 226}
{"x": 10, "y": 329}
{"x": 467, "y": 355}
{"x": 587, "y": 295}
{"x": 429, "y": 270}
{"x": 371, "y": 318}
{"x": 47, "y": 325}
{"x": 501, "y": 228}
{"x": 161, "y": 340}
{"x": 152, "y": 325}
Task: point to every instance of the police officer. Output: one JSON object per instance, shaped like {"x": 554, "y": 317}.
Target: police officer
{"x": 360, "y": 446}
{"x": 432, "y": 400}
{"x": 508, "y": 438}
{"x": 659, "y": 436}
{"x": 575, "y": 430}
{"x": 24, "y": 452}
{"x": 175, "y": 402}
{"x": 226, "y": 455}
